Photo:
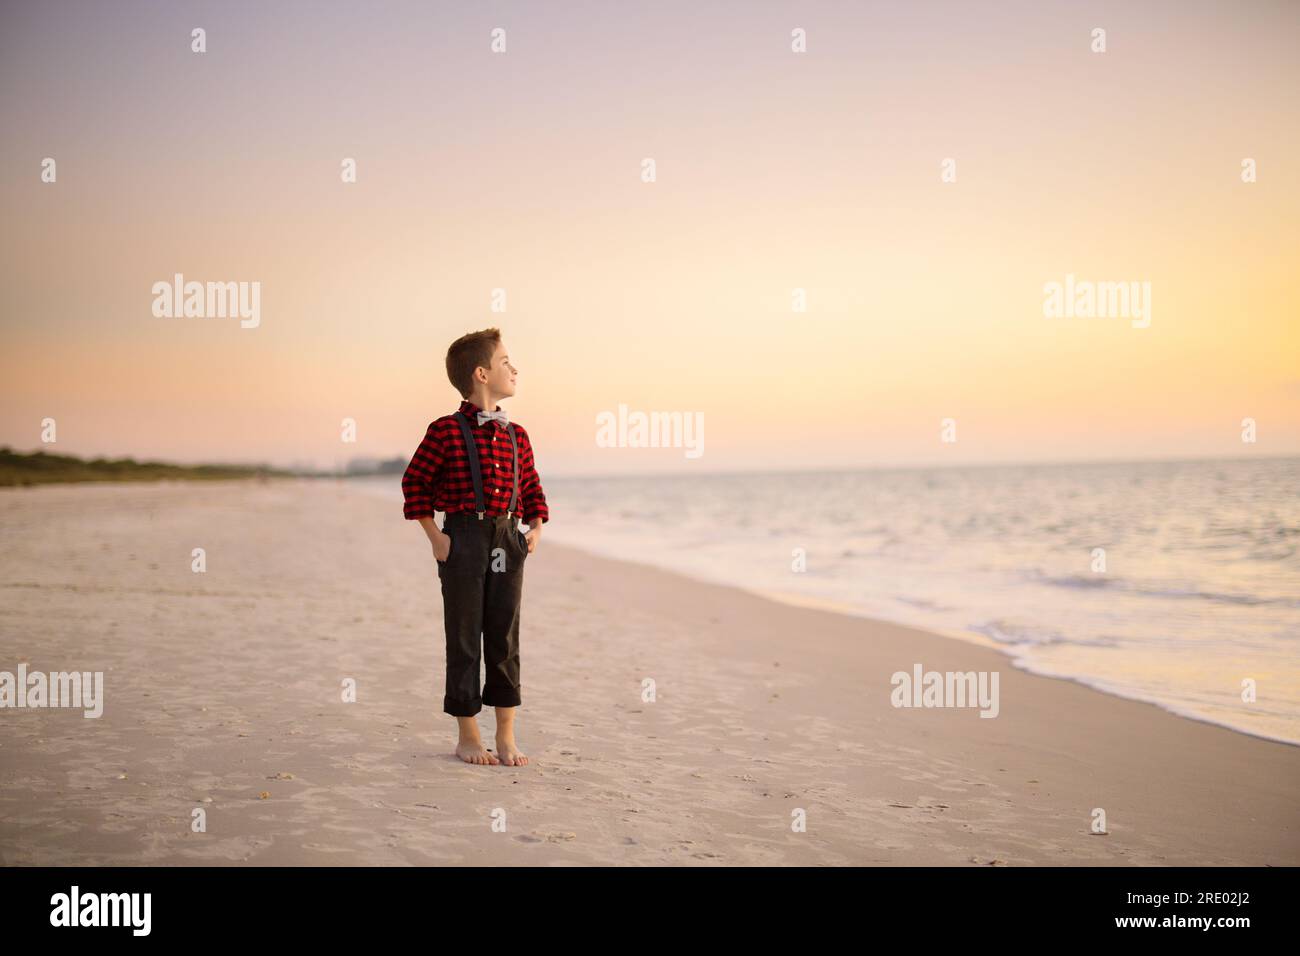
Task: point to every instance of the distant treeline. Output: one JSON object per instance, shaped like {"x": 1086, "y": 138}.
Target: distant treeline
{"x": 39, "y": 468}
{"x": 370, "y": 466}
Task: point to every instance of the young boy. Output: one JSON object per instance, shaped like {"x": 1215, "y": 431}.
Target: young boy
{"x": 478, "y": 468}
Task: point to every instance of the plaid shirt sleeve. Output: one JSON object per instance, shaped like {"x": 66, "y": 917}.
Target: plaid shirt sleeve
{"x": 532, "y": 498}
{"x": 420, "y": 481}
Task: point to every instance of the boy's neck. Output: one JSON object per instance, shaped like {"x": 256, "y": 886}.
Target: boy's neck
{"x": 485, "y": 399}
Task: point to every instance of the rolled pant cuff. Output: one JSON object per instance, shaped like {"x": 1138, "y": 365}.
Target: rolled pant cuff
{"x": 502, "y": 699}
{"x": 461, "y": 708}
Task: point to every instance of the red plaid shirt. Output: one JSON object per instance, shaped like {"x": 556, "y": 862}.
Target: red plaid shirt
{"x": 438, "y": 478}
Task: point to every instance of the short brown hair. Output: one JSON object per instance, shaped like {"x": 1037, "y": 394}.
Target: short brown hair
{"x": 472, "y": 350}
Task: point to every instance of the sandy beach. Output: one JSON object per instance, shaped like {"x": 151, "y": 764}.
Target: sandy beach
{"x": 224, "y": 693}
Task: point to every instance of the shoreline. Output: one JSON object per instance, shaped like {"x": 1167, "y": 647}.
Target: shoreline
{"x": 224, "y": 686}
{"x": 969, "y": 637}
{"x": 980, "y": 640}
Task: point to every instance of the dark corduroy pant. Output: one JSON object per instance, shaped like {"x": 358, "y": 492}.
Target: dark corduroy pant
{"x": 482, "y": 583}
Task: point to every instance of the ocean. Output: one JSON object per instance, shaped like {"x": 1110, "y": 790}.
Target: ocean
{"x": 1168, "y": 582}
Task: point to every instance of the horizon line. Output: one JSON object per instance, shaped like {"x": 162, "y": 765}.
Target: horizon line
{"x": 929, "y": 466}
{"x": 933, "y": 466}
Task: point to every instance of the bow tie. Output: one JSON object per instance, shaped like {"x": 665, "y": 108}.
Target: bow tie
{"x": 499, "y": 417}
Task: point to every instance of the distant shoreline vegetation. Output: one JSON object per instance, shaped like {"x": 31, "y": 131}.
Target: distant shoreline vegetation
{"x": 42, "y": 468}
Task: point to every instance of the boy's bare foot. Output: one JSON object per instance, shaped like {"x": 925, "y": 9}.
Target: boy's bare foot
{"x": 472, "y": 751}
{"x": 511, "y": 756}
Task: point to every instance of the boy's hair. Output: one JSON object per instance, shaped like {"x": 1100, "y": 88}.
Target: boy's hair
{"x": 472, "y": 350}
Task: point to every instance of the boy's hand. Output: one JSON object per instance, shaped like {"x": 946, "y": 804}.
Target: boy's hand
{"x": 532, "y": 537}
{"x": 441, "y": 545}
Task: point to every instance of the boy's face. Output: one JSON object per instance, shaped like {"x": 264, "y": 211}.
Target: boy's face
{"x": 501, "y": 375}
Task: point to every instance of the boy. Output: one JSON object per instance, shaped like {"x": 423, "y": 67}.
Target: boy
{"x": 478, "y": 468}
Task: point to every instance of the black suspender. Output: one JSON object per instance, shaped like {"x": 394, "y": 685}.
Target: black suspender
{"x": 476, "y": 475}
{"x": 472, "y": 450}
{"x": 514, "y": 457}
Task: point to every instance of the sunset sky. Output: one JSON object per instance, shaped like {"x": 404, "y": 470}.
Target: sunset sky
{"x": 775, "y": 171}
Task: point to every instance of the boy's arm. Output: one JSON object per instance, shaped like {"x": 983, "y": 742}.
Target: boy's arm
{"x": 430, "y": 528}
{"x": 420, "y": 480}
{"x": 533, "y": 511}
